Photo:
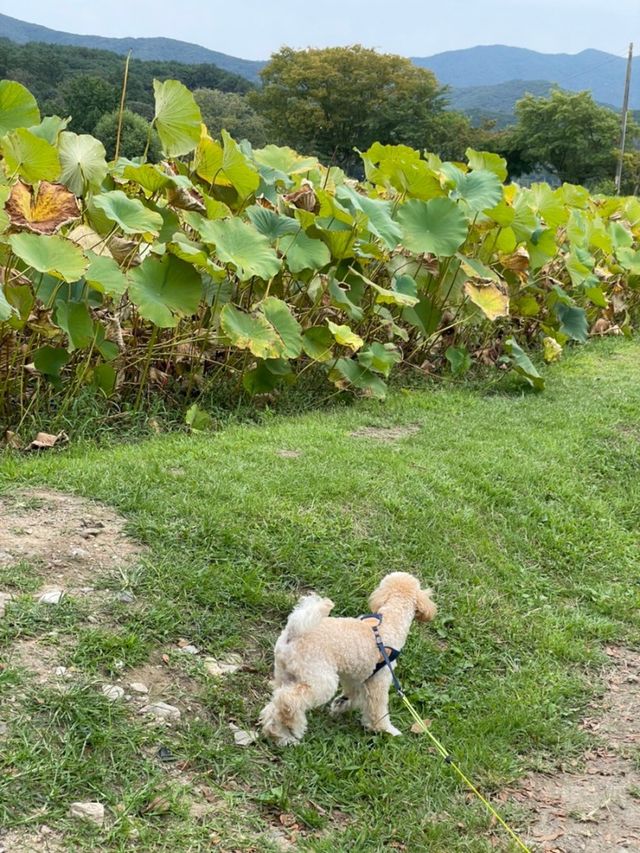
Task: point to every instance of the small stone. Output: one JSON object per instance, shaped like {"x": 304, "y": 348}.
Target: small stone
{"x": 61, "y": 671}
{"x": 190, "y": 650}
{"x": 126, "y": 597}
{"x": 90, "y": 532}
{"x": 119, "y": 664}
{"x": 218, "y": 668}
{"x": 112, "y": 692}
{"x": 52, "y": 596}
{"x": 79, "y": 554}
{"x": 241, "y": 737}
{"x": 138, "y": 687}
{"x": 5, "y": 598}
{"x": 162, "y": 711}
{"x": 3, "y": 728}
{"x": 93, "y": 812}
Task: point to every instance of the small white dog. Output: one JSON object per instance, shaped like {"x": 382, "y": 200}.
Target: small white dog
{"x": 316, "y": 653}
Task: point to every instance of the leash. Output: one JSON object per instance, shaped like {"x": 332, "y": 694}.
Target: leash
{"x": 442, "y": 750}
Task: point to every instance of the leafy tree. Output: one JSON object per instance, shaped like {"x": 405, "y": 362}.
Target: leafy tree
{"x": 568, "y": 134}
{"x": 329, "y": 101}
{"x": 135, "y": 133}
{"x": 231, "y": 112}
{"x": 86, "y": 99}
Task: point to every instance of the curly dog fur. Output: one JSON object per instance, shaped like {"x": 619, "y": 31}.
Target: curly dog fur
{"x": 317, "y": 653}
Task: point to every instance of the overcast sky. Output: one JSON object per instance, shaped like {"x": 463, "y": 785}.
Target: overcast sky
{"x": 254, "y": 28}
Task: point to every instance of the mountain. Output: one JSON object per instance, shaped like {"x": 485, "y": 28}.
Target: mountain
{"x": 164, "y": 49}
{"x": 495, "y": 103}
{"x": 602, "y": 73}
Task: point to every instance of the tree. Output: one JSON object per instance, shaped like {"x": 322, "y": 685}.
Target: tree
{"x": 231, "y": 112}
{"x": 329, "y": 101}
{"x": 568, "y": 134}
{"x": 86, "y": 99}
{"x": 133, "y": 141}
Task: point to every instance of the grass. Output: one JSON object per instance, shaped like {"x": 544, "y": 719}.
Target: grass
{"x": 520, "y": 509}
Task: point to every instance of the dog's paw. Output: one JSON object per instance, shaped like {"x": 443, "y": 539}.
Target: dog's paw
{"x": 392, "y": 730}
{"x": 339, "y": 705}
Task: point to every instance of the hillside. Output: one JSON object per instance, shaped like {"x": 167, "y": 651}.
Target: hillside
{"x": 495, "y": 103}
{"x": 163, "y": 49}
{"x": 601, "y": 73}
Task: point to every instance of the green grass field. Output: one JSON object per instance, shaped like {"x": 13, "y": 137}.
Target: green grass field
{"x": 522, "y": 512}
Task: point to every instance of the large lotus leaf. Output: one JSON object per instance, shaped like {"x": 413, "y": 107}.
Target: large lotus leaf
{"x": 478, "y": 190}
{"x": 489, "y": 298}
{"x": 573, "y": 321}
{"x": 43, "y": 211}
{"x": 459, "y": 360}
{"x": 287, "y": 327}
{"x": 549, "y": 204}
{"x": 340, "y": 297}
{"x": 378, "y": 213}
{"x": 522, "y": 364}
{"x": 18, "y": 107}
{"x": 304, "y": 253}
{"x": 621, "y": 237}
{"x": 380, "y": 357}
{"x": 226, "y": 164}
{"x": 345, "y": 337}
{"x": 105, "y": 276}
{"x": 425, "y": 315}
{"x": 74, "y": 318}
{"x": 403, "y": 169}
{"x": 437, "y": 226}
{"x": 165, "y": 290}
{"x": 50, "y": 360}
{"x": 629, "y": 259}
{"x": 271, "y": 224}
{"x": 239, "y": 243}
{"x": 50, "y": 128}
{"x": 6, "y": 309}
{"x": 403, "y": 292}
{"x": 541, "y": 246}
{"x": 177, "y": 119}
{"x": 317, "y": 342}
{"x": 129, "y": 213}
{"x": 34, "y": 159}
{"x": 252, "y": 332}
{"x": 346, "y": 372}
{"x": 151, "y": 178}
{"x": 487, "y": 161}
{"x": 575, "y": 196}
{"x": 53, "y": 255}
{"x": 285, "y": 160}
{"x": 83, "y": 160}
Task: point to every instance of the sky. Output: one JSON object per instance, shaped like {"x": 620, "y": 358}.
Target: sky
{"x": 253, "y": 29}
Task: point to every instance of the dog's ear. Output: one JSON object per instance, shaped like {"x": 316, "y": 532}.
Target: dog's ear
{"x": 426, "y": 609}
{"x": 378, "y": 596}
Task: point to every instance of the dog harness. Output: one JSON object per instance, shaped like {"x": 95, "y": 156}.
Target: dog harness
{"x": 387, "y": 653}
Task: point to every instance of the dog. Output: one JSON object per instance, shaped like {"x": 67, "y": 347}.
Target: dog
{"x": 317, "y": 653}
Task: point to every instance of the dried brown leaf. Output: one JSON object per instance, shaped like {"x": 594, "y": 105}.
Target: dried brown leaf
{"x": 44, "y": 210}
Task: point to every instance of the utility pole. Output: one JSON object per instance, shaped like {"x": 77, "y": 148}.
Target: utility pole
{"x": 625, "y": 118}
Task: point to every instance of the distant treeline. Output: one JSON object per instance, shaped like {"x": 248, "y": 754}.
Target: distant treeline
{"x": 48, "y": 71}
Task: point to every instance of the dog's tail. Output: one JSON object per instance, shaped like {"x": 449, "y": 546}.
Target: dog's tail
{"x": 308, "y": 612}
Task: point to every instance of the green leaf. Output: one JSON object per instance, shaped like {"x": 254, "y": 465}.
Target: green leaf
{"x": 287, "y": 327}
{"x": 252, "y": 332}
{"x": 304, "y": 253}
{"x": 487, "y": 161}
{"x": 34, "y": 159}
{"x": 50, "y": 128}
{"x": 459, "y": 360}
{"x": 6, "y": 309}
{"x": 345, "y": 337}
{"x": 18, "y": 107}
{"x": 50, "y": 360}
{"x": 522, "y": 364}
{"x": 149, "y": 177}
{"x": 478, "y": 190}
{"x": 53, "y": 255}
{"x": 74, "y": 318}
{"x": 260, "y": 379}
{"x": 105, "y": 276}
{"x": 270, "y": 224}
{"x": 317, "y": 342}
{"x": 104, "y": 378}
{"x": 380, "y": 357}
{"x": 425, "y": 315}
{"x": 220, "y": 164}
{"x": 177, "y": 118}
{"x": 573, "y": 321}
{"x": 129, "y": 213}
{"x": 340, "y": 298}
{"x": 347, "y": 372}
{"x": 84, "y": 163}
{"x": 378, "y": 213}
{"x": 437, "y": 226}
{"x": 239, "y": 243}
{"x": 165, "y": 290}
{"x": 198, "y": 419}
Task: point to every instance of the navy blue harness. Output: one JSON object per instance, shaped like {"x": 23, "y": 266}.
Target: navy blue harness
{"x": 387, "y": 653}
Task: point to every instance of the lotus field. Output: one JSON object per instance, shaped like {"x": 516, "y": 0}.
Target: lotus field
{"x": 225, "y": 262}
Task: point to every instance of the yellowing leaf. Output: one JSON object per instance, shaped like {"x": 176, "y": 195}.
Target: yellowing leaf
{"x": 43, "y": 211}
{"x": 489, "y": 298}
{"x": 551, "y": 350}
{"x": 345, "y": 337}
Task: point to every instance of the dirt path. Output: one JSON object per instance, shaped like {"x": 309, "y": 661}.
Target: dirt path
{"x": 598, "y": 809}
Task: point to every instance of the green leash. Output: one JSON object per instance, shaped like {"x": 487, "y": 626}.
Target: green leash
{"x": 442, "y": 749}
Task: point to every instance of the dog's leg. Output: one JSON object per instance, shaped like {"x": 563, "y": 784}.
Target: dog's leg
{"x": 375, "y": 707}
{"x": 345, "y": 700}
